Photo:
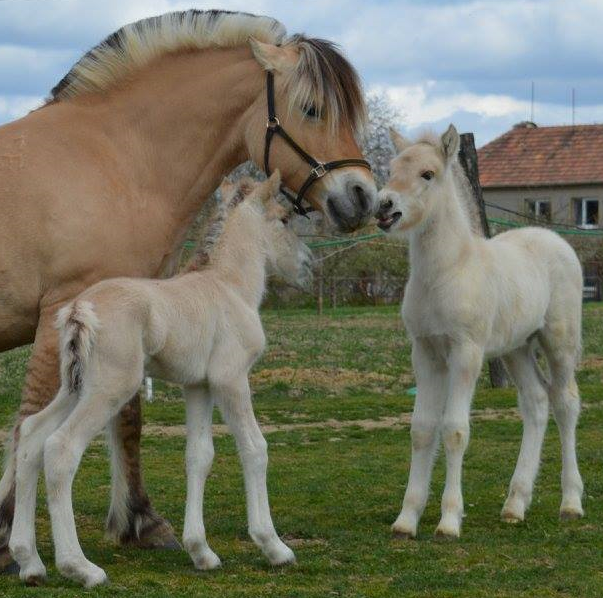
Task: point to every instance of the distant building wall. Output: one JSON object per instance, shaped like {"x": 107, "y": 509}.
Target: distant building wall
{"x": 562, "y": 201}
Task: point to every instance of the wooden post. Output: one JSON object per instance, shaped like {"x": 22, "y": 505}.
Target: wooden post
{"x": 320, "y": 288}
{"x": 468, "y": 160}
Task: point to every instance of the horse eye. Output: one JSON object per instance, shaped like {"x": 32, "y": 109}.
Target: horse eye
{"x": 311, "y": 111}
{"x": 427, "y": 175}
{"x": 285, "y": 220}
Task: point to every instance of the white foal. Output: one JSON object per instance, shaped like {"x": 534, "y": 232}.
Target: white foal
{"x": 201, "y": 329}
{"x": 468, "y": 299}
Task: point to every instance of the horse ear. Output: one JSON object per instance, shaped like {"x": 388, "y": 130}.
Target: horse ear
{"x": 399, "y": 142}
{"x": 450, "y": 143}
{"x": 274, "y": 58}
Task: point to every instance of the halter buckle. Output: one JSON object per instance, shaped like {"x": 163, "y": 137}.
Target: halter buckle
{"x": 319, "y": 171}
{"x": 273, "y": 122}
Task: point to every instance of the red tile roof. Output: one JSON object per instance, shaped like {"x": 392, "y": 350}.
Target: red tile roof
{"x": 541, "y": 156}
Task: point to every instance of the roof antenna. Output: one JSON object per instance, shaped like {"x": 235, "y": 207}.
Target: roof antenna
{"x": 532, "y": 104}
{"x": 573, "y": 106}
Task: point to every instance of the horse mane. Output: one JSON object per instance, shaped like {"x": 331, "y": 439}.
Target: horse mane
{"x": 323, "y": 76}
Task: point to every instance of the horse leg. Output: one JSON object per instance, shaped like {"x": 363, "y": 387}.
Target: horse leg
{"x": 40, "y": 386}
{"x": 465, "y": 364}
{"x": 534, "y": 408}
{"x": 431, "y": 380}
{"x": 199, "y": 458}
{"x": 34, "y": 432}
{"x": 132, "y": 520}
{"x": 234, "y": 400}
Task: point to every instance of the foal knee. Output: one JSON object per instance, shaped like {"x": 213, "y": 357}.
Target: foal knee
{"x": 455, "y": 435}
{"x": 60, "y": 462}
{"x": 423, "y": 433}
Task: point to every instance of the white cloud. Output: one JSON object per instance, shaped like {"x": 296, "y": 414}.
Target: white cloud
{"x": 13, "y": 107}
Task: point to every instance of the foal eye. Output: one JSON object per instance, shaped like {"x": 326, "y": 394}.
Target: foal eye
{"x": 311, "y": 111}
{"x": 285, "y": 220}
{"x": 427, "y": 175}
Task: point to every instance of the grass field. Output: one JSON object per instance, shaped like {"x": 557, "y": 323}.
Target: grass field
{"x": 330, "y": 393}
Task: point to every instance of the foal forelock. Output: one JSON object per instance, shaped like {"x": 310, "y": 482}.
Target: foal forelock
{"x": 323, "y": 76}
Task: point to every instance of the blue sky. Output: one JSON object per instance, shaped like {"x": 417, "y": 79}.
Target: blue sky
{"x": 439, "y": 61}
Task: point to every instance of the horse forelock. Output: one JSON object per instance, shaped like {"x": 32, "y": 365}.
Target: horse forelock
{"x": 325, "y": 78}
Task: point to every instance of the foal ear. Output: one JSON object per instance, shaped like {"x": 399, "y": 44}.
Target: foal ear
{"x": 274, "y": 58}
{"x": 270, "y": 188}
{"x": 399, "y": 142}
{"x": 450, "y": 143}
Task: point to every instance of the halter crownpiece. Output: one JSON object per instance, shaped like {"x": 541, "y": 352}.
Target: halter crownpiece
{"x": 319, "y": 169}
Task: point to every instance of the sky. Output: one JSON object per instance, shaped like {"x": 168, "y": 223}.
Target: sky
{"x": 470, "y": 62}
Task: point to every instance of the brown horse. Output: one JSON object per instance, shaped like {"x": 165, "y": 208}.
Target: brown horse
{"x": 105, "y": 179}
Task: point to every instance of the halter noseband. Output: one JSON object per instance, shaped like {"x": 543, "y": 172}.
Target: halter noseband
{"x": 319, "y": 169}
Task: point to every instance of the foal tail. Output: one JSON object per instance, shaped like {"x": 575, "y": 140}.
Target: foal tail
{"x": 77, "y": 324}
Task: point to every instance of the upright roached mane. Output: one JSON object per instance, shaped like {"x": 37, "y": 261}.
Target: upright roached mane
{"x": 323, "y": 77}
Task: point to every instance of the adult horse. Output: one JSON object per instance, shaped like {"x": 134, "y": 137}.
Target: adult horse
{"x": 105, "y": 179}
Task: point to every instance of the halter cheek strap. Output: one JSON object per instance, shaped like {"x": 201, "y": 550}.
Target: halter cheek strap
{"x": 319, "y": 169}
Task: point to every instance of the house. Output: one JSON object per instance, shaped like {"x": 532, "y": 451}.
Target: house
{"x": 554, "y": 174}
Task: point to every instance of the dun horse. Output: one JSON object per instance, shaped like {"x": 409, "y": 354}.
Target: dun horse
{"x": 469, "y": 298}
{"x": 201, "y": 329}
{"x": 105, "y": 179}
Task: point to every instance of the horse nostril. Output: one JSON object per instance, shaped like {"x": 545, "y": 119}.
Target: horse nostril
{"x": 387, "y": 205}
{"x": 360, "y": 194}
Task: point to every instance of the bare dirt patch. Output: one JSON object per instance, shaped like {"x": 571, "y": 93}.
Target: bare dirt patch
{"x": 335, "y": 379}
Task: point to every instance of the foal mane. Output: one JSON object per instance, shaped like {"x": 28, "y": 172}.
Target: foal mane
{"x": 216, "y": 223}
{"x": 464, "y": 191}
{"x": 323, "y": 76}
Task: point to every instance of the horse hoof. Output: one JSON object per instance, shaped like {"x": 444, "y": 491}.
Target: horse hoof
{"x": 155, "y": 534}
{"x": 33, "y": 581}
{"x": 11, "y": 568}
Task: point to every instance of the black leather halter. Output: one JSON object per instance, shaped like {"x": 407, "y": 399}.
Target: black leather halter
{"x": 319, "y": 169}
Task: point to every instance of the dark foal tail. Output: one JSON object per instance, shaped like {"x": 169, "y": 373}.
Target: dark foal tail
{"x": 77, "y": 324}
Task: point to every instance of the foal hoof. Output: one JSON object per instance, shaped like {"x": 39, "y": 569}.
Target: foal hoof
{"x": 571, "y": 514}
{"x": 511, "y": 518}
{"x": 154, "y": 534}
{"x": 446, "y": 535}
{"x": 401, "y": 535}
{"x": 10, "y": 568}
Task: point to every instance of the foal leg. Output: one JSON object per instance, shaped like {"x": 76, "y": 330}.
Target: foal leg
{"x": 534, "y": 408}
{"x": 465, "y": 364}
{"x": 234, "y": 400}
{"x": 40, "y": 386}
{"x": 565, "y": 400}
{"x": 34, "y": 432}
{"x": 62, "y": 454}
{"x": 132, "y": 520}
{"x": 199, "y": 458}
{"x": 432, "y": 380}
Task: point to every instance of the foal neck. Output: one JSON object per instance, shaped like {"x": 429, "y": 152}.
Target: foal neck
{"x": 240, "y": 257}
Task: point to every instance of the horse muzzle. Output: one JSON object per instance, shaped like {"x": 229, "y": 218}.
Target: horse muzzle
{"x": 353, "y": 208}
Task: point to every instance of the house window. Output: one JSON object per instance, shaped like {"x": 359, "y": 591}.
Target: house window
{"x": 539, "y": 208}
{"x": 586, "y": 212}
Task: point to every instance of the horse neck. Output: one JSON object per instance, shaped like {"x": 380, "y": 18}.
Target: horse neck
{"x": 444, "y": 238}
{"x": 239, "y": 257}
{"x": 180, "y": 124}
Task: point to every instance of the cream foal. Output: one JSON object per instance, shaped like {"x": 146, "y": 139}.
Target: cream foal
{"x": 201, "y": 329}
{"x": 468, "y": 299}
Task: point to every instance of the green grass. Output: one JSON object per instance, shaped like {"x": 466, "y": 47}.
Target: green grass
{"x": 335, "y": 492}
